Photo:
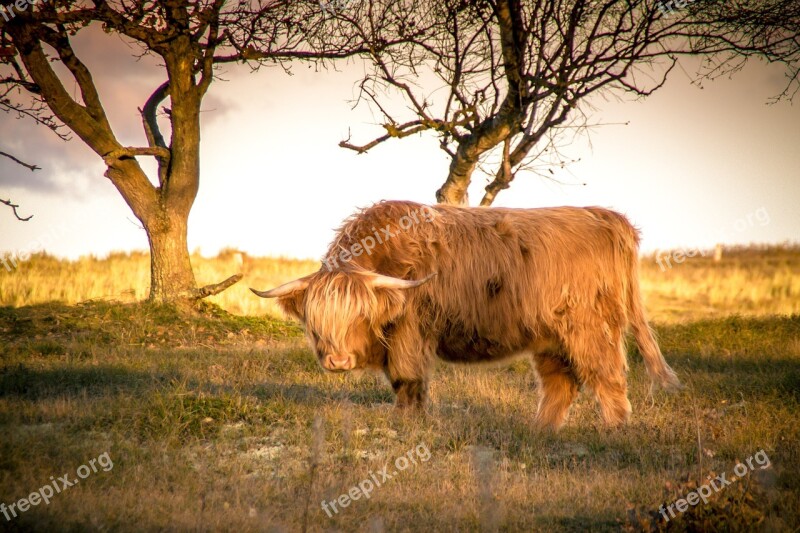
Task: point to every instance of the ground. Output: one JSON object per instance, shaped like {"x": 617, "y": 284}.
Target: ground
{"x": 218, "y": 421}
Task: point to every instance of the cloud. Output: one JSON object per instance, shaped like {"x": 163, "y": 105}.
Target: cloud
{"x": 125, "y": 77}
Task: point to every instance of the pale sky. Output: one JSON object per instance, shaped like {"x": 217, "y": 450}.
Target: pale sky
{"x": 693, "y": 167}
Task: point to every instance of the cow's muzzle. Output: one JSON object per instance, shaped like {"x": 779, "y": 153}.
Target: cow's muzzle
{"x": 338, "y": 363}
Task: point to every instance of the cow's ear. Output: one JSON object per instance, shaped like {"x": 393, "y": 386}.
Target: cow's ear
{"x": 391, "y": 294}
{"x": 391, "y": 303}
{"x": 290, "y": 296}
{"x": 292, "y": 304}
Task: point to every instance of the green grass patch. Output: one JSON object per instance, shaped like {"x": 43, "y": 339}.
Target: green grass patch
{"x": 210, "y": 421}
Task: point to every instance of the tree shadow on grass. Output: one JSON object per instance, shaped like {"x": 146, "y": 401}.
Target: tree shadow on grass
{"x": 313, "y": 395}
{"x": 769, "y": 377}
{"x": 32, "y": 384}
{"x": 24, "y": 382}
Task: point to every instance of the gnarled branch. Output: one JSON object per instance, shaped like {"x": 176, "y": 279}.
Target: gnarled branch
{"x": 129, "y": 152}
{"x": 397, "y": 131}
{"x": 149, "y": 118}
{"x": 504, "y": 176}
{"x": 152, "y": 131}
{"x": 216, "y": 288}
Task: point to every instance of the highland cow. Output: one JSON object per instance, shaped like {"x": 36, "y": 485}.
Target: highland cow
{"x": 404, "y": 282}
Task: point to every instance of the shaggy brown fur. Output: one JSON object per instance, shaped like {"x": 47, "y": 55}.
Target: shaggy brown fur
{"x": 560, "y": 283}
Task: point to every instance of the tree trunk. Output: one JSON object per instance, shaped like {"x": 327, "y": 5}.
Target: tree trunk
{"x": 164, "y": 209}
{"x": 502, "y": 125}
{"x": 454, "y": 190}
{"x": 171, "y": 274}
{"x": 488, "y": 135}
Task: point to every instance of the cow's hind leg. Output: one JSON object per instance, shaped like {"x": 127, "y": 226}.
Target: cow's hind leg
{"x": 612, "y": 395}
{"x": 558, "y": 388}
{"x": 599, "y": 359}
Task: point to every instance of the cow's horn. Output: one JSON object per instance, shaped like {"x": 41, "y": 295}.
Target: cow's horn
{"x": 283, "y": 290}
{"x": 379, "y": 281}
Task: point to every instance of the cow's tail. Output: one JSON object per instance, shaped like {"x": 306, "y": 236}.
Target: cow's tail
{"x": 657, "y": 368}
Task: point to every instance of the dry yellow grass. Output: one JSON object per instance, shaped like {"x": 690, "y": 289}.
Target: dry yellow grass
{"x": 748, "y": 281}
{"x": 211, "y": 420}
{"x": 125, "y": 277}
{"x": 754, "y": 280}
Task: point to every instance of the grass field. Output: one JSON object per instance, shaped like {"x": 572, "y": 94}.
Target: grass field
{"x": 223, "y": 420}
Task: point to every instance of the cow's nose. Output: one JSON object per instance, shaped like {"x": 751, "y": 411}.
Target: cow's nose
{"x": 337, "y": 362}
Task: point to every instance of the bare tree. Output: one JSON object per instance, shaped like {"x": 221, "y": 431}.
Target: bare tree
{"x": 190, "y": 39}
{"x": 501, "y": 81}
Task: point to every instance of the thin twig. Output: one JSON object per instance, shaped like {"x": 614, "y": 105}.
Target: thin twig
{"x": 14, "y": 208}
{"x": 23, "y": 163}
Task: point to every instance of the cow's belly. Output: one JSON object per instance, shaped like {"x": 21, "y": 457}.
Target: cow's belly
{"x": 462, "y": 345}
{"x": 458, "y": 345}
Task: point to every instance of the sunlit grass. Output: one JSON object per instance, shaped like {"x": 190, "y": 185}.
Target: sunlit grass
{"x": 755, "y": 280}
{"x": 748, "y": 281}
{"x": 209, "y": 421}
{"x": 209, "y": 416}
{"x": 125, "y": 277}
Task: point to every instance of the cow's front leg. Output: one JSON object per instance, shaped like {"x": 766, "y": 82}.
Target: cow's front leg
{"x": 409, "y": 360}
{"x": 410, "y": 393}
